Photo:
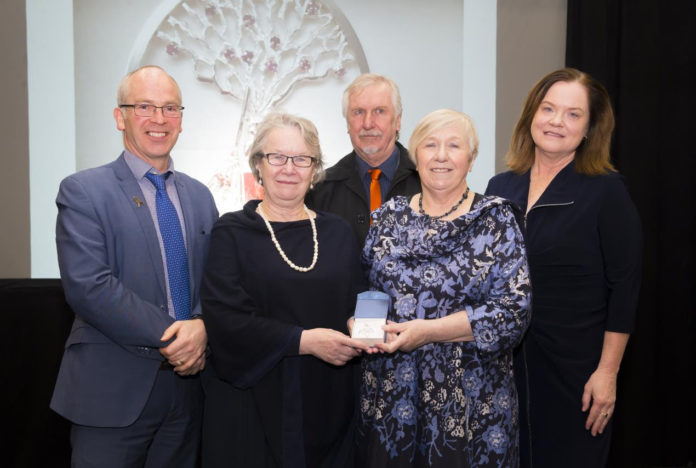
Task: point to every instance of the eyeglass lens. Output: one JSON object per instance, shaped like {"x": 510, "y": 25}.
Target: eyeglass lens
{"x": 278, "y": 159}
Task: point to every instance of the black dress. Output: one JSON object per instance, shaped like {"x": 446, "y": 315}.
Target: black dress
{"x": 584, "y": 248}
{"x": 266, "y": 405}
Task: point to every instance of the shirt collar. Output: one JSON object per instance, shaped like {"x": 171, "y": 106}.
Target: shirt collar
{"x": 139, "y": 167}
{"x": 388, "y": 167}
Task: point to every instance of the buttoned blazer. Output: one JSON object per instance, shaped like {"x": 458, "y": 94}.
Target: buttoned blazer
{"x": 113, "y": 278}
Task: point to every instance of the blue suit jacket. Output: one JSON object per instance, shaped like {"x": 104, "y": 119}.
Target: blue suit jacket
{"x": 113, "y": 278}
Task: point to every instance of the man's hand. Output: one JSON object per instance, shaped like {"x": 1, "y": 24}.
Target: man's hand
{"x": 187, "y": 352}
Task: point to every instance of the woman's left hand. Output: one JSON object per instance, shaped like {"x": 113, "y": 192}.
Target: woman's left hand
{"x": 405, "y": 336}
{"x": 600, "y": 398}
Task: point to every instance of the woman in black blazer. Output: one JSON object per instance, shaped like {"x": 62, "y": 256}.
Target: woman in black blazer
{"x": 584, "y": 248}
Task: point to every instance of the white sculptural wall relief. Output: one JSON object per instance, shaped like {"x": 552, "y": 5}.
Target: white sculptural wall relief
{"x": 256, "y": 52}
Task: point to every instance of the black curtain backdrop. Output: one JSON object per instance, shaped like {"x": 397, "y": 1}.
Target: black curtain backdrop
{"x": 644, "y": 52}
{"x": 36, "y": 322}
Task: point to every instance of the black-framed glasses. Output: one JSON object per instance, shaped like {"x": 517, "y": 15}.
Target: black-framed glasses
{"x": 280, "y": 159}
{"x": 143, "y": 109}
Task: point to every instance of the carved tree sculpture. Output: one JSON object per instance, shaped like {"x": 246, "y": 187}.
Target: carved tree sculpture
{"x": 255, "y": 51}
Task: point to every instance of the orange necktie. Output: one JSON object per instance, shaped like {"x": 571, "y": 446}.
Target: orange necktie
{"x": 375, "y": 190}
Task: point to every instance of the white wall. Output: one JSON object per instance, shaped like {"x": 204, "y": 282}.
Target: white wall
{"x": 50, "y": 73}
{"x": 442, "y": 54}
{"x": 479, "y": 83}
{"x": 417, "y": 44}
{"x": 426, "y": 63}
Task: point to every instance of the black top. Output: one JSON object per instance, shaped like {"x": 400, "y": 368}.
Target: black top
{"x": 584, "y": 246}
{"x": 255, "y": 307}
{"x": 342, "y": 191}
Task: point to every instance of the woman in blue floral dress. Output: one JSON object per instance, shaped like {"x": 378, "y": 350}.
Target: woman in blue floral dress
{"x": 440, "y": 391}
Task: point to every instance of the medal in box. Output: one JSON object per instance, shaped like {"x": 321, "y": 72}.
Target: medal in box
{"x": 371, "y": 311}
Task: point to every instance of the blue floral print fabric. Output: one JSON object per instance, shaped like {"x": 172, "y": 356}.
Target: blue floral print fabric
{"x": 446, "y": 404}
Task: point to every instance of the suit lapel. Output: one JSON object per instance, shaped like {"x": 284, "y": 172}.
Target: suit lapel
{"x": 131, "y": 189}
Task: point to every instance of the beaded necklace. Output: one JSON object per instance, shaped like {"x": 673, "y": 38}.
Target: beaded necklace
{"x": 280, "y": 250}
{"x": 452, "y": 210}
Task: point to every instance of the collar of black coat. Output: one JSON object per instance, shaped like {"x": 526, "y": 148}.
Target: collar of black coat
{"x": 346, "y": 168}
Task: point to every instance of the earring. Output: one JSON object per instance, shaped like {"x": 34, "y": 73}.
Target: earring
{"x": 311, "y": 186}
{"x": 260, "y": 181}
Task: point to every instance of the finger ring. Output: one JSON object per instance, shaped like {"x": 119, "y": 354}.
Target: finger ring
{"x": 181, "y": 363}
{"x": 606, "y": 415}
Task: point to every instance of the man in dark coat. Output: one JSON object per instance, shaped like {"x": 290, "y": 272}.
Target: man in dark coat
{"x": 372, "y": 108}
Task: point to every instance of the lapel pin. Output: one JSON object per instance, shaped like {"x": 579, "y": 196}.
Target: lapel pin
{"x": 137, "y": 201}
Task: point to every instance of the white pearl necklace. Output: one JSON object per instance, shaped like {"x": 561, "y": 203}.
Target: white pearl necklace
{"x": 280, "y": 250}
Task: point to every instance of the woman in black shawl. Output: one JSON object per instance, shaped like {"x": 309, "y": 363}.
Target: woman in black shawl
{"x": 279, "y": 282}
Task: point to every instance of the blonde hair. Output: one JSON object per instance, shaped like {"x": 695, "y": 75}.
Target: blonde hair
{"x": 592, "y": 155}
{"x": 439, "y": 119}
{"x": 280, "y": 120}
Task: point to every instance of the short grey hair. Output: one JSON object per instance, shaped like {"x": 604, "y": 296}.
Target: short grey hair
{"x": 124, "y": 84}
{"x": 365, "y": 81}
{"x": 280, "y": 120}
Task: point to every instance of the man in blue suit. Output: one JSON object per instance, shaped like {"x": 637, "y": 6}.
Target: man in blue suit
{"x": 128, "y": 380}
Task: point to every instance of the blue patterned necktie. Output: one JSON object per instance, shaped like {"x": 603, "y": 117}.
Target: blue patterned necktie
{"x": 174, "y": 248}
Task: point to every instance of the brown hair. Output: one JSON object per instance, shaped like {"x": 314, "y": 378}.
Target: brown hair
{"x": 592, "y": 155}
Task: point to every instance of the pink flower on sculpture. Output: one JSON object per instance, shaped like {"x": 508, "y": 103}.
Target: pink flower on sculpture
{"x": 229, "y": 54}
{"x": 248, "y": 56}
{"x": 275, "y": 43}
{"x": 172, "y": 48}
{"x": 305, "y": 65}
{"x": 340, "y": 71}
{"x": 248, "y": 20}
{"x": 313, "y": 8}
{"x": 271, "y": 66}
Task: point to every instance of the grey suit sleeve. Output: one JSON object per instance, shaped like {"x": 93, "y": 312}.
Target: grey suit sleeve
{"x": 89, "y": 235}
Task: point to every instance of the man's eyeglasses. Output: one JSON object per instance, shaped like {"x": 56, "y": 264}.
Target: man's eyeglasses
{"x": 148, "y": 110}
{"x": 279, "y": 159}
